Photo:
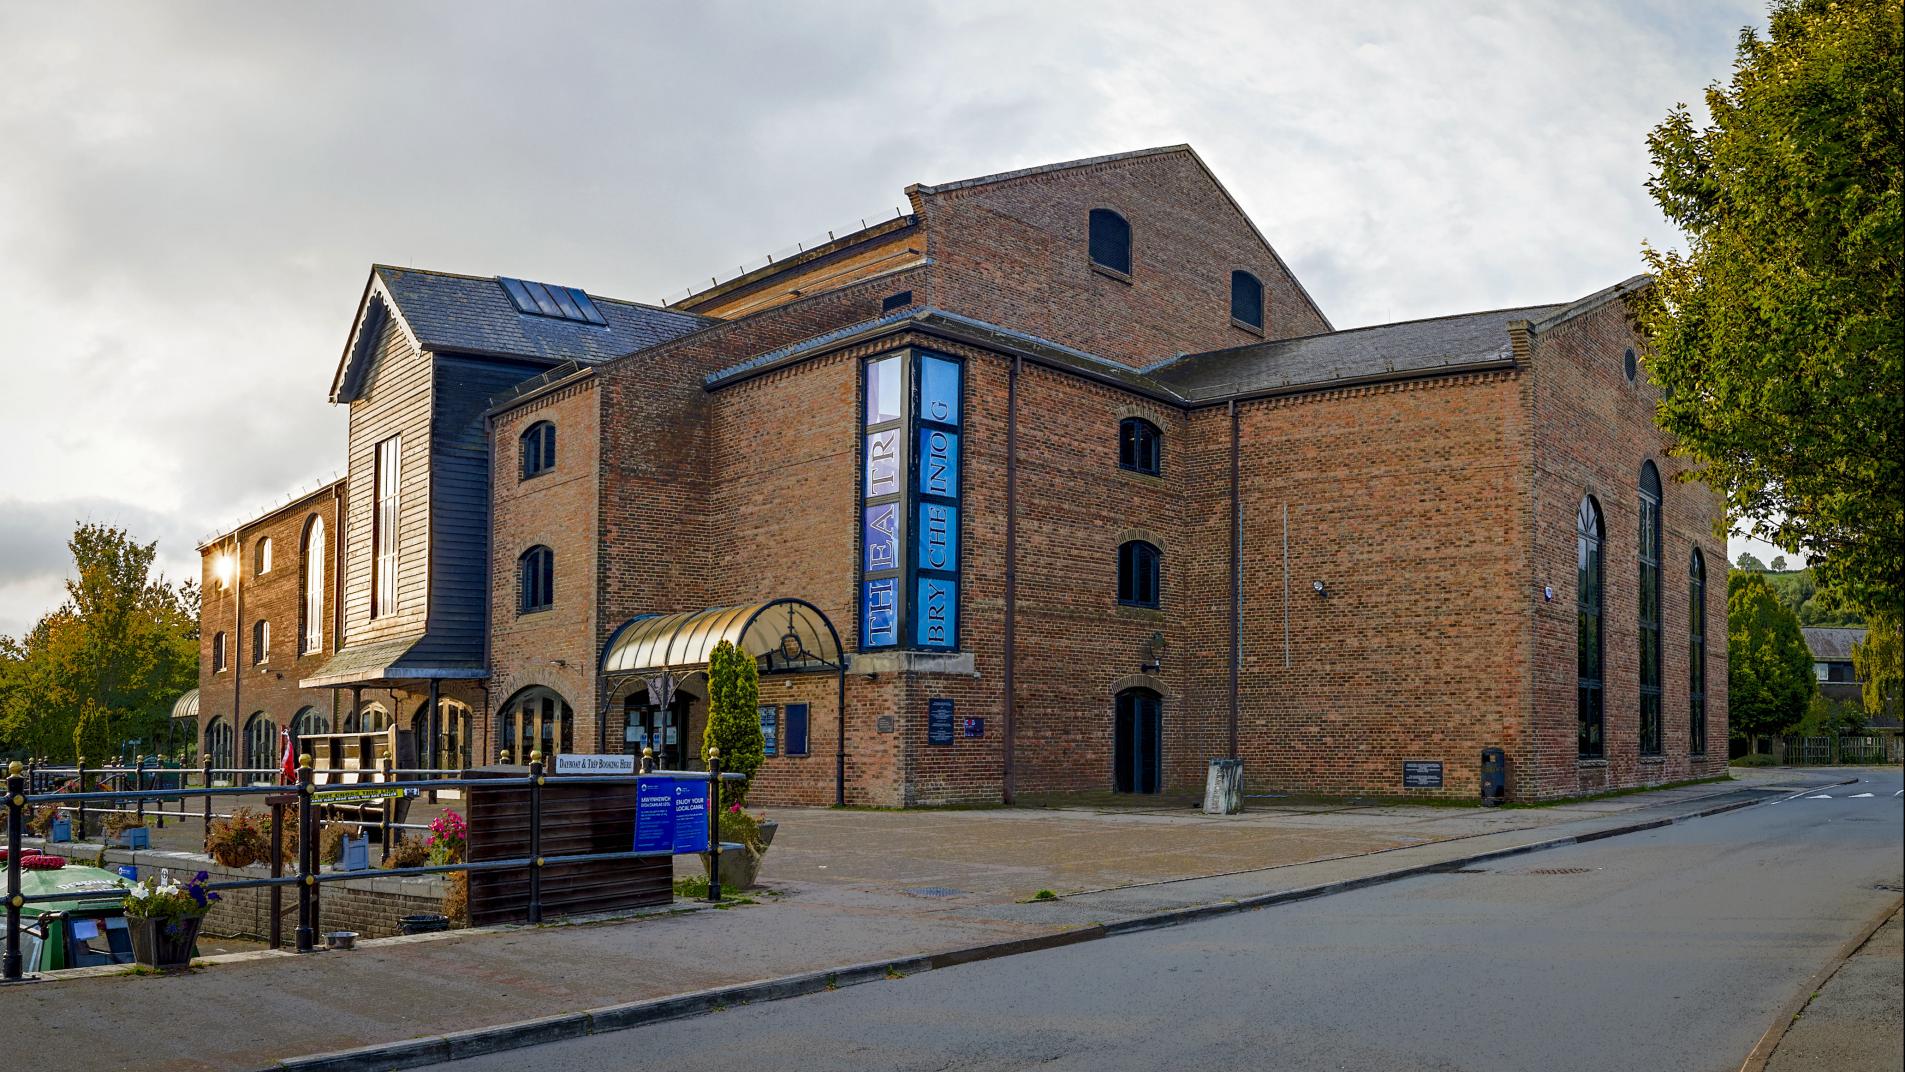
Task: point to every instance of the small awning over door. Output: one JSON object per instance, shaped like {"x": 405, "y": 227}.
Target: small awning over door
{"x": 792, "y": 634}
{"x": 186, "y": 706}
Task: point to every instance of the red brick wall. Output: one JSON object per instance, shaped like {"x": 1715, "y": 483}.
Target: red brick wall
{"x": 1593, "y": 432}
{"x": 1014, "y": 253}
{"x": 247, "y": 687}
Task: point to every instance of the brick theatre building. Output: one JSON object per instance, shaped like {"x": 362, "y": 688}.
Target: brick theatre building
{"x": 1058, "y": 480}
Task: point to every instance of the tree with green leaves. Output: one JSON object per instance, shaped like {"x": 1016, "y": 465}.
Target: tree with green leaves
{"x": 1750, "y": 564}
{"x": 734, "y": 716}
{"x": 105, "y": 667}
{"x": 1779, "y": 564}
{"x": 1769, "y": 677}
{"x": 1879, "y": 661}
{"x": 1776, "y": 335}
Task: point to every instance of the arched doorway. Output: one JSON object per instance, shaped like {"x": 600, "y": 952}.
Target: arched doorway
{"x": 674, "y": 731}
{"x": 1137, "y": 742}
{"x": 451, "y": 748}
{"x": 219, "y": 746}
{"x": 536, "y": 719}
{"x": 261, "y": 746}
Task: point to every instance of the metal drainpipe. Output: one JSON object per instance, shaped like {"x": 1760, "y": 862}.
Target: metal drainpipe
{"x": 1236, "y": 577}
{"x": 236, "y": 648}
{"x": 1009, "y": 788}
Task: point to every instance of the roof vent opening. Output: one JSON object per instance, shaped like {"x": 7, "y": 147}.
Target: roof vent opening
{"x": 547, "y": 299}
{"x": 896, "y": 301}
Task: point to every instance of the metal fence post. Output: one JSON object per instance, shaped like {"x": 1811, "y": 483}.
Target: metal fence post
{"x": 535, "y": 837}
{"x": 648, "y": 760}
{"x": 16, "y": 809}
{"x": 714, "y": 825}
{"x": 307, "y": 856}
{"x": 205, "y": 765}
{"x": 277, "y": 870}
{"x": 79, "y": 831}
{"x": 138, "y": 786}
{"x": 384, "y": 832}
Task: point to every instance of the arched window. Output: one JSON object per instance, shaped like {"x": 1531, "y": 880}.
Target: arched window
{"x": 1138, "y": 574}
{"x": 1137, "y": 742}
{"x": 1246, "y": 300}
{"x": 1110, "y": 241}
{"x": 537, "y": 719}
{"x": 260, "y": 642}
{"x": 538, "y": 449}
{"x": 307, "y": 722}
{"x": 1630, "y": 365}
{"x": 448, "y": 748}
{"x": 311, "y": 636}
{"x": 372, "y": 719}
{"x": 261, "y": 745}
{"x": 1649, "y": 610}
{"x": 1588, "y": 641}
{"x": 1140, "y": 446}
{"x": 1697, "y": 654}
{"x": 218, "y": 651}
{"x": 535, "y": 580}
{"x": 218, "y": 745}
{"x": 264, "y": 556}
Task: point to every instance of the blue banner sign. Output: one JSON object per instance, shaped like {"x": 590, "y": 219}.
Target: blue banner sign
{"x": 879, "y": 614}
{"x": 883, "y": 463}
{"x": 770, "y": 724}
{"x": 938, "y": 537}
{"x": 909, "y": 501}
{"x": 880, "y": 536}
{"x": 691, "y": 817}
{"x": 938, "y": 462}
{"x": 654, "y": 815}
{"x": 939, "y": 721}
{"x": 935, "y": 611}
{"x": 938, "y": 390}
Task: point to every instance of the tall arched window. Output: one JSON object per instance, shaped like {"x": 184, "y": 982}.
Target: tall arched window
{"x": 261, "y": 744}
{"x": 1588, "y": 642}
{"x": 535, "y": 580}
{"x": 1246, "y": 300}
{"x": 537, "y": 719}
{"x": 538, "y": 449}
{"x": 1649, "y": 610}
{"x": 1138, "y": 574}
{"x": 264, "y": 556}
{"x": 372, "y": 719}
{"x": 1137, "y": 742}
{"x": 1140, "y": 446}
{"x": 449, "y": 748}
{"x": 218, "y": 651}
{"x": 218, "y": 744}
{"x": 1110, "y": 241}
{"x": 1697, "y": 654}
{"x": 311, "y": 636}
{"x": 260, "y": 641}
{"x": 309, "y": 721}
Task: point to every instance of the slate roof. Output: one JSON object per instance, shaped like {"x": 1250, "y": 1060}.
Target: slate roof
{"x": 1345, "y": 355}
{"x": 1832, "y": 645}
{"x": 472, "y": 314}
{"x": 387, "y": 661}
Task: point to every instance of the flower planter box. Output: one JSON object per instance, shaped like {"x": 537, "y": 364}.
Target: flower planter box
{"x": 60, "y": 830}
{"x": 158, "y": 944}
{"x": 136, "y": 837}
{"x": 740, "y": 865}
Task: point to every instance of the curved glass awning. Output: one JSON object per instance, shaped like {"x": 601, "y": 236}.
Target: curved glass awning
{"x": 792, "y": 635}
{"x": 186, "y": 706}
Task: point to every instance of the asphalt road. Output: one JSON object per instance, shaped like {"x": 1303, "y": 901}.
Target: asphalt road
{"x": 1671, "y": 949}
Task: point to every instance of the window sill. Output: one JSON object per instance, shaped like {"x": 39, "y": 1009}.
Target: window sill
{"x": 1653, "y": 761}
{"x": 527, "y": 477}
{"x": 1149, "y": 477}
{"x": 1140, "y": 614}
{"x": 1247, "y": 328}
{"x": 536, "y": 613}
{"x": 1589, "y": 764}
{"x": 1111, "y": 273}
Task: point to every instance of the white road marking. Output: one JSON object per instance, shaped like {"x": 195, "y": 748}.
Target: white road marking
{"x": 1856, "y": 796}
{"x": 1821, "y": 796}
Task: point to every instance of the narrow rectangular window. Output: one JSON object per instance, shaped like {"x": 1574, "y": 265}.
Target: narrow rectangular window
{"x": 796, "y": 729}
{"x": 388, "y": 495}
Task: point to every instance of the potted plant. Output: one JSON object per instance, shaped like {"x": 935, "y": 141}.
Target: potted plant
{"x": 739, "y": 869}
{"x": 164, "y": 918}
{"x": 128, "y": 831}
{"x": 734, "y": 726}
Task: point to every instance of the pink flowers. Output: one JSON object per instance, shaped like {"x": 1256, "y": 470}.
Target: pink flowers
{"x": 449, "y": 838}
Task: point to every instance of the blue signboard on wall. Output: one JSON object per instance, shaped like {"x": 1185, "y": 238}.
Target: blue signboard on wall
{"x": 910, "y": 485}
{"x": 654, "y": 815}
{"x": 770, "y": 725}
{"x": 879, "y": 613}
{"x": 938, "y": 462}
{"x": 938, "y": 537}
{"x": 883, "y": 463}
{"x": 938, "y": 390}
{"x": 691, "y": 817}
{"x": 935, "y": 612}
{"x": 880, "y": 537}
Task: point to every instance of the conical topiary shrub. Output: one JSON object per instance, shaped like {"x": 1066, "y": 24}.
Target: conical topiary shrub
{"x": 734, "y": 717}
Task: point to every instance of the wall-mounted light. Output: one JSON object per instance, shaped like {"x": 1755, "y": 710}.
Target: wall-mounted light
{"x": 1321, "y": 589}
{"x": 224, "y": 569}
{"x": 1547, "y": 593}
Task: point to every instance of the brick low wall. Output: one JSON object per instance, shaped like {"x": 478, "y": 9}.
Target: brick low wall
{"x": 370, "y": 906}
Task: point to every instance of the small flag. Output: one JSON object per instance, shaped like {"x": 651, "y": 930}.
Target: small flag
{"x": 290, "y": 765}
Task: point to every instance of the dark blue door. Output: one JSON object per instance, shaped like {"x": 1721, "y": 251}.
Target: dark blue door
{"x": 1137, "y": 742}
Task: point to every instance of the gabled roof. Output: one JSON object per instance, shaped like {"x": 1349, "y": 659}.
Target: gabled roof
{"x": 1413, "y": 345}
{"x": 1832, "y": 645}
{"x": 919, "y": 189}
{"x": 444, "y": 312}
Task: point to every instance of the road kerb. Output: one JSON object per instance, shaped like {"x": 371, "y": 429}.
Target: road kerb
{"x": 1783, "y": 1021}
{"x": 415, "y": 1053}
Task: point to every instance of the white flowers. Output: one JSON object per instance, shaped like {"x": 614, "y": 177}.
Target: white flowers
{"x": 140, "y": 892}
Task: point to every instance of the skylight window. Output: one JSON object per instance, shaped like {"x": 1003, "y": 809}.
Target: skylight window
{"x": 544, "y": 299}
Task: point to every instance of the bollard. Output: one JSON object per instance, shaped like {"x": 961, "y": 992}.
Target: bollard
{"x": 503, "y": 757}
{"x": 648, "y": 760}
{"x": 307, "y": 856}
{"x": 535, "y": 837}
{"x": 714, "y": 825}
{"x": 16, "y": 809}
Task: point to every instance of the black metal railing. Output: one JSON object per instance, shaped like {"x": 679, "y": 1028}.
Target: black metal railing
{"x": 305, "y": 796}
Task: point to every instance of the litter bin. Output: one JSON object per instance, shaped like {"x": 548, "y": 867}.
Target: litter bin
{"x": 1494, "y": 776}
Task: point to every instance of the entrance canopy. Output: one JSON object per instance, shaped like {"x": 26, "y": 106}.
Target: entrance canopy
{"x": 792, "y": 634}
{"x": 186, "y": 706}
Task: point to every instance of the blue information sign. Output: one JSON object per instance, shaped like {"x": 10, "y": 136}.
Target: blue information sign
{"x": 938, "y": 537}
{"x": 935, "y": 612}
{"x": 938, "y": 462}
{"x": 770, "y": 723}
{"x": 881, "y": 537}
{"x": 879, "y": 617}
{"x": 938, "y": 390}
{"x": 654, "y": 815}
{"x": 939, "y": 721}
{"x": 974, "y": 727}
{"x": 691, "y": 817}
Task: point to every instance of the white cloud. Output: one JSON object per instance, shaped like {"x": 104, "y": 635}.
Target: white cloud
{"x": 191, "y": 194}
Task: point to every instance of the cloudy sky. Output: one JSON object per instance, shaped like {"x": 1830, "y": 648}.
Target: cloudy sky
{"x": 191, "y": 194}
